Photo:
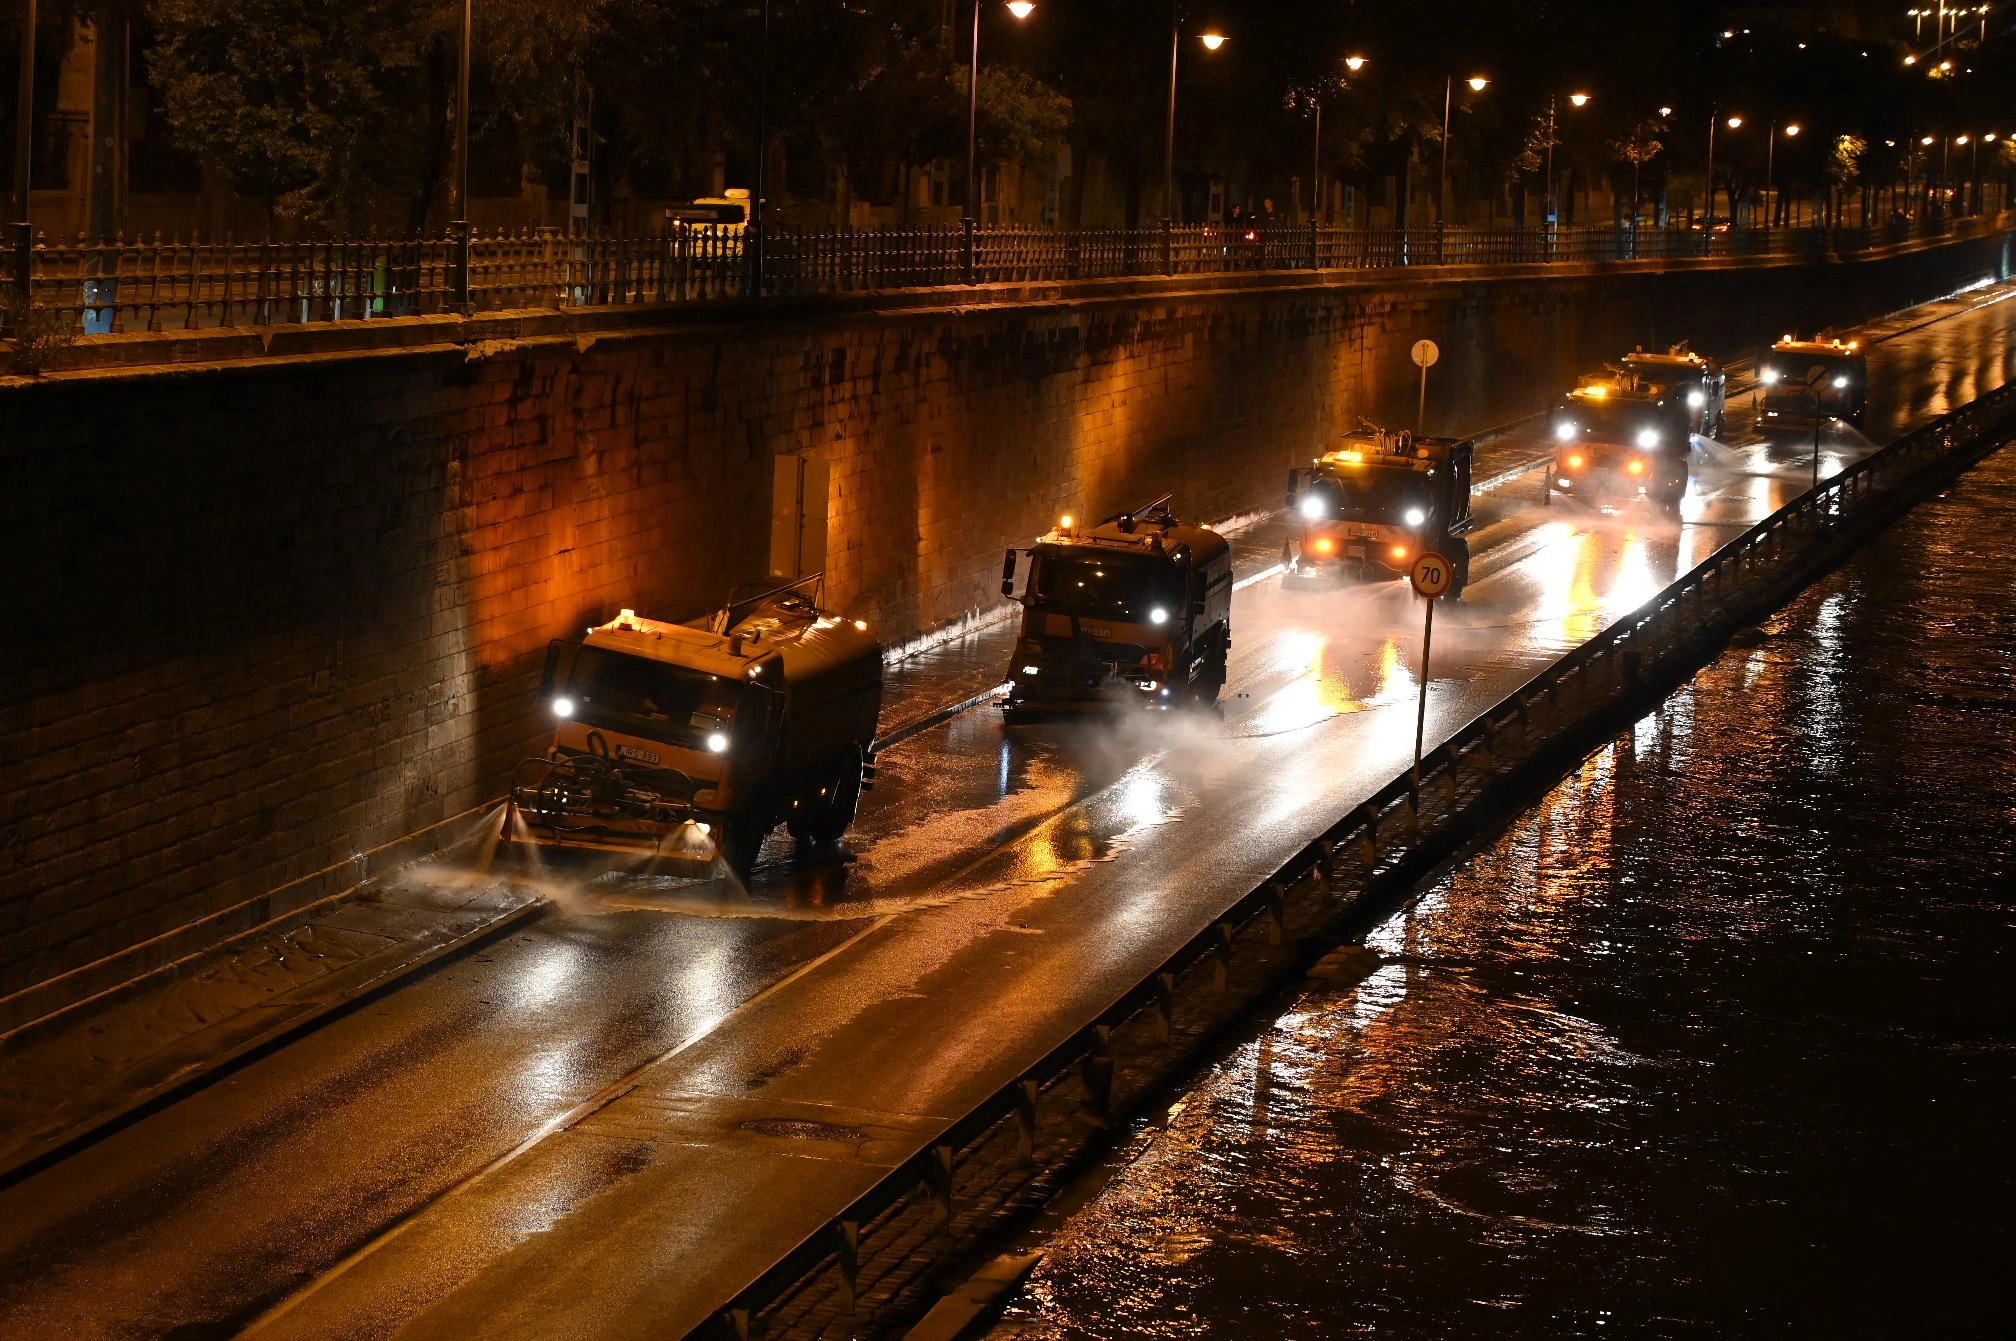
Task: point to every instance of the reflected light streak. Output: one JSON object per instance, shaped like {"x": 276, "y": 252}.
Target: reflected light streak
{"x": 550, "y": 972}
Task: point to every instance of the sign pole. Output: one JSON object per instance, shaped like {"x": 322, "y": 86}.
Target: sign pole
{"x": 1421, "y": 712}
{"x": 1424, "y": 355}
{"x": 1432, "y": 576}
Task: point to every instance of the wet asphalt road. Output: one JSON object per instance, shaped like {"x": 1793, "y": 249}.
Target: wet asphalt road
{"x": 426, "y": 1162}
{"x": 1714, "y": 1041}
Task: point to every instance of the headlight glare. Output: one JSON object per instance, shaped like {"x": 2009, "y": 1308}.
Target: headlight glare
{"x": 563, "y": 707}
{"x": 718, "y": 742}
{"x": 1415, "y": 516}
{"x": 1158, "y": 615}
{"x": 1312, "y": 507}
{"x": 1648, "y": 438}
{"x": 1564, "y": 431}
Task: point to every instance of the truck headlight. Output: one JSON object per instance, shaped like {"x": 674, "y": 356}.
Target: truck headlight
{"x": 1696, "y": 399}
{"x": 1840, "y": 382}
{"x": 1158, "y": 616}
{"x": 1768, "y": 376}
{"x": 1312, "y": 507}
{"x": 1415, "y": 516}
{"x": 563, "y": 707}
{"x": 1648, "y": 438}
{"x": 718, "y": 742}
{"x": 1564, "y": 431}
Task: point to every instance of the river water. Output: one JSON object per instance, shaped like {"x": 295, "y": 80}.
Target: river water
{"x": 1718, "y": 1040}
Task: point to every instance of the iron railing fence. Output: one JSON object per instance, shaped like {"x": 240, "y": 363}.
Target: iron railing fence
{"x": 876, "y": 1259}
{"x": 172, "y": 284}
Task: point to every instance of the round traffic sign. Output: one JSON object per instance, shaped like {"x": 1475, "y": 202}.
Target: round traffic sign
{"x": 1431, "y": 575}
{"x": 1425, "y": 353}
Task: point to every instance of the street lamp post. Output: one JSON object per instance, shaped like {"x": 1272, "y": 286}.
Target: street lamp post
{"x": 1577, "y": 100}
{"x": 23, "y": 227}
{"x": 1021, "y": 9}
{"x": 752, "y": 234}
{"x": 1771, "y": 170}
{"x": 1212, "y": 40}
{"x": 459, "y": 228}
{"x": 1478, "y": 83}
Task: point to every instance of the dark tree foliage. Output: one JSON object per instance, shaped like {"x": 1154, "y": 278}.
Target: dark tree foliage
{"x": 337, "y": 111}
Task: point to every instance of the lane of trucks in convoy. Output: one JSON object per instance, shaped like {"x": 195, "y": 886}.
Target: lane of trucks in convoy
{"x": 687, "y": 744}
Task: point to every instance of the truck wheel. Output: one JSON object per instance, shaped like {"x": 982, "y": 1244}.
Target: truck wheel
{"x": 1205, "y": 689}
{"x": 737, "y": 842}
{"x": 829, "y": 820}
{"x": 1459, "y": 556}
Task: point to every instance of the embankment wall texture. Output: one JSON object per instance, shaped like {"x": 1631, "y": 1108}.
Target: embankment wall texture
{"x": 269, "y": 614}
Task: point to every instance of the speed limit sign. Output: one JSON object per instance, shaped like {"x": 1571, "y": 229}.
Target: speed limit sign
{"x": 1431, "y": 575}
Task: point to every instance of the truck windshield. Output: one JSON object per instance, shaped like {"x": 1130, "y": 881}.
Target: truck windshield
{"x": 1793, "y": 366}
{"x": 1103, "y": 586}
{"x": 1615, "y": 421}
{"x": 674, "y": 704}
{"x": 1380, "y": 495}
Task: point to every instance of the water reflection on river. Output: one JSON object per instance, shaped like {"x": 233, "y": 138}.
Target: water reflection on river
{"x": 1718, "y": 1040}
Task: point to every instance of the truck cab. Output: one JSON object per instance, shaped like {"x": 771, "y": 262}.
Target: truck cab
{"x": 1810, "y": 381}
{"x": 1694, "y": 378}
{"x": 1618, "y": 437}
{"x": 1378, "y": 501}
{"x": 692, "y": 741}
{"x": 1136, "y": 610}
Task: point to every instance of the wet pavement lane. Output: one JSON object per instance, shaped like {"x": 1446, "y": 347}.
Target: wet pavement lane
{"x": 1050, "y": 861}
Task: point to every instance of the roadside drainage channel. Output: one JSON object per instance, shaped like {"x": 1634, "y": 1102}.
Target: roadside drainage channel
{"x": 931, "y": 1220}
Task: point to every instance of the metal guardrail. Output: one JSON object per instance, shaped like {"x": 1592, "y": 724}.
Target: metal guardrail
{"x": 889, "y": 1241}
{"x": 135, "y": 285}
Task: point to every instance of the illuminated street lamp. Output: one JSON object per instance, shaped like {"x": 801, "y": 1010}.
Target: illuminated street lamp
{"x": 1708, "y": 225}
{"x": 1212, "y": 40}
{"x": 1770, "y": 169}
{"x": 1020, "y": 9}
{"x": 458, "y": 230}
{"x": 1578, "y": 100}
{"x": 23, "y": 226}
{"x": 1477, "y": 83}
{"x": 1354, "y": 64}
